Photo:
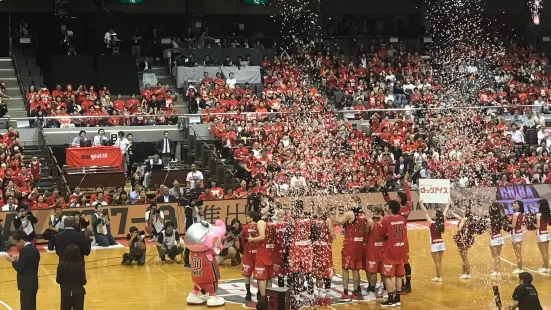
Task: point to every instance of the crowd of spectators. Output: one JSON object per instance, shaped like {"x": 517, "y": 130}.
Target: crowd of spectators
{"x": 305, "y": 133}
{"x": 296, "y": 143}
{"x": 18, "y": 180}
{"x": 73, "y": 108}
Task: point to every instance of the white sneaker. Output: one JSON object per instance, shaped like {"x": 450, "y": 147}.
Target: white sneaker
{"x": 436, "y": 279}
{"x": 465, "y": 277}
{"x": 517, "y": 271}
{"x": 543, "y": 270}
{"x": 495, "y": 274}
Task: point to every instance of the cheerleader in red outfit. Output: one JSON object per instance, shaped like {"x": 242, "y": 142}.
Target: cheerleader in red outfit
{"x": 517, "y": 233}
{"x": 437, "y": 246}
{"x": 249, "y": 250}
{"x": 464, "y": 239}
{"x": 497, "y": 224}
{"x": 322, "y": 264}
{"x": 543, "y": 219}
{"x": 374, "y": 250}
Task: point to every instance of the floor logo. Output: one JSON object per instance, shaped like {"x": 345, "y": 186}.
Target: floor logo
{"x": 234, "y": 291}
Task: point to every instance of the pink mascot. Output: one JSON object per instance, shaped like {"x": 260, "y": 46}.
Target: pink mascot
{"x": 203, "y": 241}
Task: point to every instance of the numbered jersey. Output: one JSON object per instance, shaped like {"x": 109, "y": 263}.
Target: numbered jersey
{"x": 354, "y": 234}
{"x": 395, "y": 246}
{"x": 203, "y": 267}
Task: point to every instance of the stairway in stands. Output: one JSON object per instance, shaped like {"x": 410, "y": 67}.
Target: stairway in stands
{"x": 163, "y": 76}
{"x": 8, "y": 76}
{"x": 49, "y": 173}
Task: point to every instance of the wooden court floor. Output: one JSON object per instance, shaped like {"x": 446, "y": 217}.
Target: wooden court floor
{"x": 156, "y": 285}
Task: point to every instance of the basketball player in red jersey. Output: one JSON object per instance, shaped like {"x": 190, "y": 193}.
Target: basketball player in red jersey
{"x": 374, "y": 250}
{"x": 393, "y": 230}
{"x": 263, "y": 264}
{"x": 299, "y": 234}
{"x": 404, "y": 198}
{"x": 279, "y": 228}
{"x": 322, "y": 264}
{"x": 354, "y": 224}
{"x": 249, "y": 250}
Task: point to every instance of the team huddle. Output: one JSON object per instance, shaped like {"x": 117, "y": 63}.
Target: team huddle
{"x": 296, "y": 244}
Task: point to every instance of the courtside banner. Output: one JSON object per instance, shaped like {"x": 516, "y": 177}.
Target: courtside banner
{"x": 123, "y": 217}
{"x": 78, "y": 157}
{"x": 434, "y": 190}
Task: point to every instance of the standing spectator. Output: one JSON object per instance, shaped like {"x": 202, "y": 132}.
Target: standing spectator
{"x": 71, "y": 235}
{"x": 155, "y": 46}
{"x": 26, "y": 265}
{"x": 71, "y": 277}
{"x": 165, "y": 147}
{"x": 194, "y": 177}
{"x": 123, "y": 144}
{"x": 136, "y": 43}
{"x": 24, "y": 221}
{"x": 34, "y": 166}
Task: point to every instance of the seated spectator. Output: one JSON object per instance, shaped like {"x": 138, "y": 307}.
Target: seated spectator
{"x": 165, "y": 195}
{"x": 100, "y": 139}
{"x": 99, "y": 200}
{"x": 177, "y": 191}
{"x": 10, "y": 205}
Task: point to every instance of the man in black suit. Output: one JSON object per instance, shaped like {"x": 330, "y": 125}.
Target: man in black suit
{"x": 166, "y": 148}
{"x": 165, "y": 197}
{"x": 26, "y": 265}
{"x": 71, "y": 235}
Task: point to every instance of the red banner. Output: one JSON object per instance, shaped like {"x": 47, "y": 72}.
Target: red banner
{"x": 93, "y": 156}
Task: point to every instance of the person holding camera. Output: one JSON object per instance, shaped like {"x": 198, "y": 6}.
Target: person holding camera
{"x": 25, "y": 220}
{"x": 71, "y": 277}
{"x": 100, "y": 221}
{"x": 231, "y": 244}
{"x": 525, "y": 296}
{"x": 168, "y": 243}
{"x": 56, "y": 224}
{"x": 155, "y": 220}
{"x": 137, "y": 247}
{"x": 82, "y": 223}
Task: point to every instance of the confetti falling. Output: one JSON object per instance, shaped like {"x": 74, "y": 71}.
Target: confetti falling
{"x": 535, "y": 8}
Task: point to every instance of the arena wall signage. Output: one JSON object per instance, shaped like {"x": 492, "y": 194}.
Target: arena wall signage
{"x": 123, "y": 217}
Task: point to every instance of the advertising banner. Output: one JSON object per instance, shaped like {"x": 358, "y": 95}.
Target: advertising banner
{"x": 434, "y": 190}
{"x": 78, "y": 157}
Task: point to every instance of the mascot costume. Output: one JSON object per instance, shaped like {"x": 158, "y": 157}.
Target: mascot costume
{"x": 203, "y": 241}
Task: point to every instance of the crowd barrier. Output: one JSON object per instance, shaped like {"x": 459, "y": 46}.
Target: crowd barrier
{"x": 123, "y": 217}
